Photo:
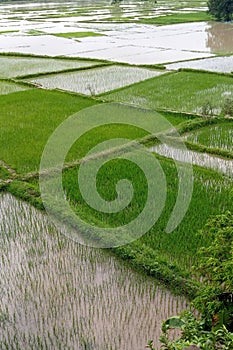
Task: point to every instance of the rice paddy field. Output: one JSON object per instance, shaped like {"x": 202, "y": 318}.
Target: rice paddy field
{"x": 95, "y": 82}
{"x": 69, "y": 296}
{"x": 218, "y": 136}
{"x": 8, "y": 87}
{"x": 161, "y": 92}
{"x": 205, "y": 160}
{"x": 12, "y": 67}
{"x": 62, "y": 58}
{"x": 216, "y": 64}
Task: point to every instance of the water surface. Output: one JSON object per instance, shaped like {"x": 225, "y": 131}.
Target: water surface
{"x": 127, "y": 42}
{"x": 202, "y": 159}
{"x": 56, "y": 294}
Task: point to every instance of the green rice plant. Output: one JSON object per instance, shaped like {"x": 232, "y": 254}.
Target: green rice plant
{"x": 177, "y": 18}
{"x": 9, "y": 88}
{"x": 8, "y": 31}
{"x": 228, "y": 107}
{"x": 77, "y": 34}
{"x": 12, "y": 66}
{"x": 170, "y": 91}
{"x": 211, "y": 195}
{"x": 4, "y": 173}
{"x": 27, "y": 119}
{"x": 96, "y": 81}
{"x": 215, "y": 64}
{"x": 214, "y": 136}
{"x": 71, "y": 292}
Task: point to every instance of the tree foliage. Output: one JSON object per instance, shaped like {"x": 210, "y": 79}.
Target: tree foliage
{"x": 221, "y": 9}
{"x": 213, "y": 329}
{"x": 194, "y": 336}
{"x": 215, "y": 265}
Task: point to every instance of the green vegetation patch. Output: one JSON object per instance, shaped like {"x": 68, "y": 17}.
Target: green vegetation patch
{"x": 11, "y": 66}
{"x": 4, "y": 173}
{"x": 211, "y": 195}
{"x": 178, "y": 18}
{"x": 214, "y": 136}
{"x": 77, "y": 34}
{"x": 9, "y": 31}
{"x": 27, "y": 120}
{"x": 35, "y": 32}
{"x": 180, "y": 91}
{"x": 8, "y": 87}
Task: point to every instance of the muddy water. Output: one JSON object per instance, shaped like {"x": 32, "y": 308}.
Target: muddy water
{"x": 220, "y": 37}
{"x": 56, "y": 294}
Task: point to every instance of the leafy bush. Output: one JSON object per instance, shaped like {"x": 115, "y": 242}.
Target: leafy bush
{"x": 194, "y": 334}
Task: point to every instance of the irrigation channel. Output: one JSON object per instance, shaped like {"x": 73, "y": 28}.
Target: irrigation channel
{"x": 57, "y": 294}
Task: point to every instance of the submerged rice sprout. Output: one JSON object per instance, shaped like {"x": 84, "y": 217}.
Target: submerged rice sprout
{"x": 20, "y": 66}
{"x": 58, "y": 294}
{"x": 96, "y": 81}
{"x": 8, "y": 88}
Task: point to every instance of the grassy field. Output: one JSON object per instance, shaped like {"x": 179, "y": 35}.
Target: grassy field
{"x": 177, "y": 18}
{"x": 181, "y": 91}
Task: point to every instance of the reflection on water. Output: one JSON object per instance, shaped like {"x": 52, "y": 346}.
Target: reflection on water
{"x": 96, "y": 81}
{"x": 202, "y": 159}
{"x": 56, "y": 294}
{"x": 132, "y": 43}
{"x": 222, "y": 64}
{"x": 220, "y": 37}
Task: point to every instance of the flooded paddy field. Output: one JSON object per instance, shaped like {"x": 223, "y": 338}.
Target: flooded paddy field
{"x": 216, "y": 64}
{"x": 56, "y": 294}
{"x": 129, "y": 43}
{"x": 99, "y": 10}
{"x": 11, "y": 67}
{"x": 96, "y": 81}
{"x": 8, "y": 87}
{"x": 170, "y": 91}
{"x": 196, "y": 158}
{"x": 31, "y": 32}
